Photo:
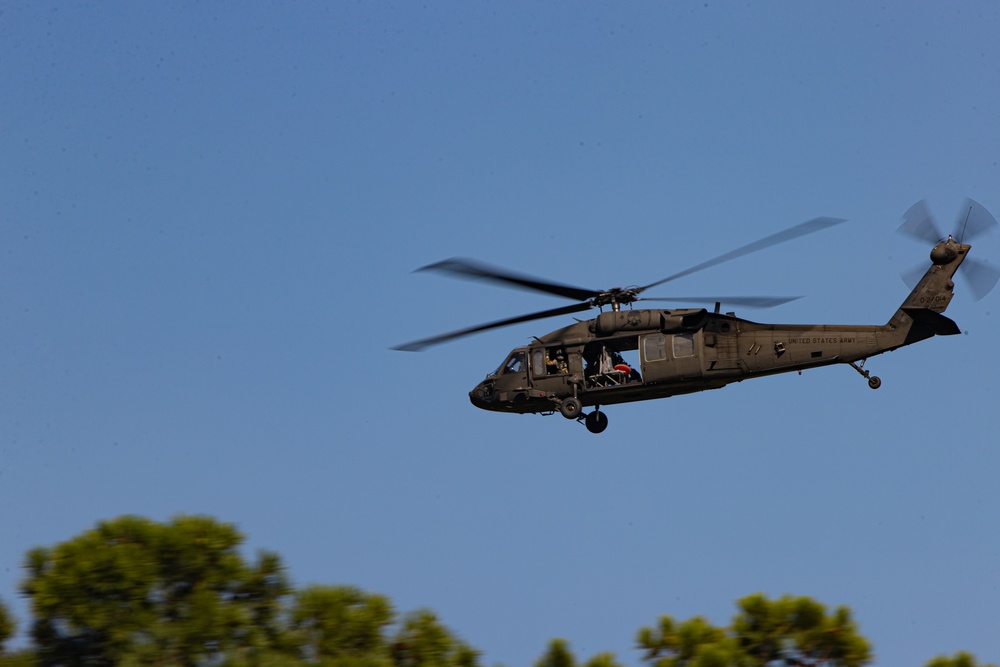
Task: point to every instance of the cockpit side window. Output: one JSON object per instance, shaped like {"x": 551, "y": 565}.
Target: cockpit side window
{"x": 515, "y": 363}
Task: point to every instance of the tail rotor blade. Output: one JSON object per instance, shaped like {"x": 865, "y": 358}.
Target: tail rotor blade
{"x": 981, "y": 276}
{"x": 913, "y": 275}
{"x": 919, "y": 223}
{"x": 973, "y": 221}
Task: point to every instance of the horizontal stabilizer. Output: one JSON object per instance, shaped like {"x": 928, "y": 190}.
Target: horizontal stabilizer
{"x": 936, "y": 322}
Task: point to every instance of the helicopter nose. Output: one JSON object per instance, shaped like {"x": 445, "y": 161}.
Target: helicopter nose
{"x": 480, "y": 397}
{"x": 477, "y": 400}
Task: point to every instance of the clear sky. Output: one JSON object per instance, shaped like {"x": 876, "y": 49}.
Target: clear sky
{"x": 209, "y": 215}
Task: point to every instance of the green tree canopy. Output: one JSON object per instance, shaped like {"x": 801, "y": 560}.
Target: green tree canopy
{"x": 132, "y": 588}
{"x": 960, "y": 659}
{"x": 422, "y": 641}
{"x": 8, "y": 625}
{"x": 340, "y": 625}
{"x": 132, "y": 592}
{"x": 789, "y": 630}
{"x": 559, "y": 655}
{"x": 691, "y": 643}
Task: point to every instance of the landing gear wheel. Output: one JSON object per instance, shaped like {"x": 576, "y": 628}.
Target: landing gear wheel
{"x": 596, "y": 421}
{"x": 571, "y": 407}
{"x": 873, "y": 380}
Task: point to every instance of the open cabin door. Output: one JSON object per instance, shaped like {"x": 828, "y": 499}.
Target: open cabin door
{"x": 667, "y": 357}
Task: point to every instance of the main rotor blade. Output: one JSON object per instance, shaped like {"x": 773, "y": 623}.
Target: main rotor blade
{"x": 973, "y": 220}
{"x": 748, "y": 301}
{"x": 919, "y": 223}
{"x": 467, "y": 268}
{"x": 443, "y": 338}
{"x": 801, "y": 229}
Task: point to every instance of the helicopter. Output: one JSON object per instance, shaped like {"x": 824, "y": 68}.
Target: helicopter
{"x": 688, "y": 350}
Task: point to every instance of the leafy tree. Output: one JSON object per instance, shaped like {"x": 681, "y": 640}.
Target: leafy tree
{"x": 692, "y": 643}
{"x": 960, "y": 659}
{"x": 8, "y": 625}
{"x": 422, "y": 641}
{"x": 605, "y": 659}
{"x": 340, "y": 625}
{"x": 22, "y": 658}
{"x": 790, "y": 630}
{"x": 799, "y": 631}
{"x": 559, "y": 655}
{"x": 134, "y": 590}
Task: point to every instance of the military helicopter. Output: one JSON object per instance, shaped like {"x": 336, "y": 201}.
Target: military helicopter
{"x": 687, "y": 350}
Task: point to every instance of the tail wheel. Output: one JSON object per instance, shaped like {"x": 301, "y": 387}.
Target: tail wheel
{"x": 571, "y": 407}
{"x": 874, "y": 382}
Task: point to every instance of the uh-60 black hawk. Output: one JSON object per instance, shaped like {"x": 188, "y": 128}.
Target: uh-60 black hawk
{"x": 681, "y": 351}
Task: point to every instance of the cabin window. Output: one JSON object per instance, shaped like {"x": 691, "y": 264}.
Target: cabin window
{"x": 654, "y": 347}
{"x": 683, "y": 346}
{"x": 549, "y": 361}
{"x": 538, "y": 362}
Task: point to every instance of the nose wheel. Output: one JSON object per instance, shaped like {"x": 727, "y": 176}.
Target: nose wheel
{"x": 873, "y": 380}
{"x": 596, "y": 421}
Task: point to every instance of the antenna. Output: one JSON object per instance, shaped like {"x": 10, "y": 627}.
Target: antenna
{"x": 966, "y": 224}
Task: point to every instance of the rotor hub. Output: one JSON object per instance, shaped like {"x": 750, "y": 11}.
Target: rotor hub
{"x": 616, "y": 297}
{"x": 944, "y": 252}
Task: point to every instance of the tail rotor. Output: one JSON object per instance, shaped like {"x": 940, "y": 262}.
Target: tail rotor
{"x": 973, "y": 221}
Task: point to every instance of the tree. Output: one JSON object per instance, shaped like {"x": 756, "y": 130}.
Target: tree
{"x": 692, "y": 643}
{"x": 960, "y": 659}
{"x": 335, "y": 625}
{"x": 799, "y": 631}
{"x": 559, "y": 655}
{"x": 8, "y": 625}
{"x": 134, "y": 590}
{"x": 422, "y": 641}
{"x": 790, "y": 630}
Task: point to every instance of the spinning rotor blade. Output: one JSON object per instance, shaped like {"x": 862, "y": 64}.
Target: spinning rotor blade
{"x": 919, "y": 223}
{"x": 973, "y": 221}
{"x": 801, "y": 229}
{"x": 748, "y": 301}
{"x": 443, "y": 338}
{"x": 982, "y": 277}
{"x": 467, "y": 268}
{"x": 913, "y": 275}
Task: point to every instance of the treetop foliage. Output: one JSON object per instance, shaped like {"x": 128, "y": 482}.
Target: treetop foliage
{"x": 789, "y": 631}
{"x": 8, "y": 625}
{"x": 133, "y": 592}
{"x": 960, "y": 659}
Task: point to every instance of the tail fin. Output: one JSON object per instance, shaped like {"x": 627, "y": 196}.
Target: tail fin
{"x": 919, "y": 316}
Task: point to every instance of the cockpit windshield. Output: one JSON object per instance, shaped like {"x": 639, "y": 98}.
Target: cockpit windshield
{"x": 515, "y": 364}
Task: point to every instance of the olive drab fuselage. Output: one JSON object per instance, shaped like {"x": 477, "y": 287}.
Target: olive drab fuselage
{"x": 670, "y": 352}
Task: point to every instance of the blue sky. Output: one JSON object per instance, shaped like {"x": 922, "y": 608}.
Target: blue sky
{"x": 209, "y": 215}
